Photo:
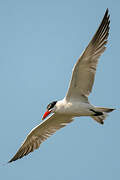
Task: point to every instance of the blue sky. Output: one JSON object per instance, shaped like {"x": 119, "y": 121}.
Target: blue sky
{"x": 40, "y": 42}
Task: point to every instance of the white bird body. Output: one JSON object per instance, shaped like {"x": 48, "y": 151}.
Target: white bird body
{"x": 76, "y": 102}
{"x": 73, "y": 108}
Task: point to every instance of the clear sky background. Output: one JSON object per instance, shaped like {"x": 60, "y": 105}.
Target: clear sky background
{"x": 40, "y": 42}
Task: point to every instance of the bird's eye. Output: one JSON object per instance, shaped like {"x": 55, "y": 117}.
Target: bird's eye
{"x": 51, "y": 105}
{"x": 48, "y": 107}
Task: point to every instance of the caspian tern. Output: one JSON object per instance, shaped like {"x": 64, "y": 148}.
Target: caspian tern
{"x": 75, "y": 103}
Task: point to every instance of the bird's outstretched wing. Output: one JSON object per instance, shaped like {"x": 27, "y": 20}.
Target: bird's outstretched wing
{"x": 41, "y": 133}
{"x": 84, "y": 70}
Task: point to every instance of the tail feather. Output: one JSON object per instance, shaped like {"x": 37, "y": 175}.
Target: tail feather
{"x": 100, "y": 118}
{"x": 103, "y": 109}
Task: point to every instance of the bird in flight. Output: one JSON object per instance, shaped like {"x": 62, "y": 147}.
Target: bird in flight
{"x": 75, "y": 103}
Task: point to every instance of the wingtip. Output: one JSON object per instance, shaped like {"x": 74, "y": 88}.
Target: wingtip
{"x": 107, "y": 10}
{"x": 9, "y": 161}
{"x": 107, "y": 13}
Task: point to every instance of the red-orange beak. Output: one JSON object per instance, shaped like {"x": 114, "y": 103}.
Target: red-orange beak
{"x": 46, "y": 114}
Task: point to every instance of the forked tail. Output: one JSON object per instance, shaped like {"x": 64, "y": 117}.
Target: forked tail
{"x": 100, "y": 114}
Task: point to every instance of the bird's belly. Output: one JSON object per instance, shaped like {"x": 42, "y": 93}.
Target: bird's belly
{"x": 76, "y": 109}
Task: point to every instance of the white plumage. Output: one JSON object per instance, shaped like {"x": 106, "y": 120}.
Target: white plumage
{"x": 76, "y": 101}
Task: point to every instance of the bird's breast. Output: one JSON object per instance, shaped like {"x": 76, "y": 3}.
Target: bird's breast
{"x": 74, "y": 108}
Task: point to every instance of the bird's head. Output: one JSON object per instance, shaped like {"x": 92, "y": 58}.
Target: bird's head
{"x": 50, "y": 109}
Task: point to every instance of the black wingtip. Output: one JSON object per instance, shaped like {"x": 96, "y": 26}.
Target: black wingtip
{"x": 106, "y": 13}
{"x": 107, "y": 10}
{"x": 9, "y": 161}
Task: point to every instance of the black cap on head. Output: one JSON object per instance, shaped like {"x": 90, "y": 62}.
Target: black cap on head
{"x": 51, "y": 105}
